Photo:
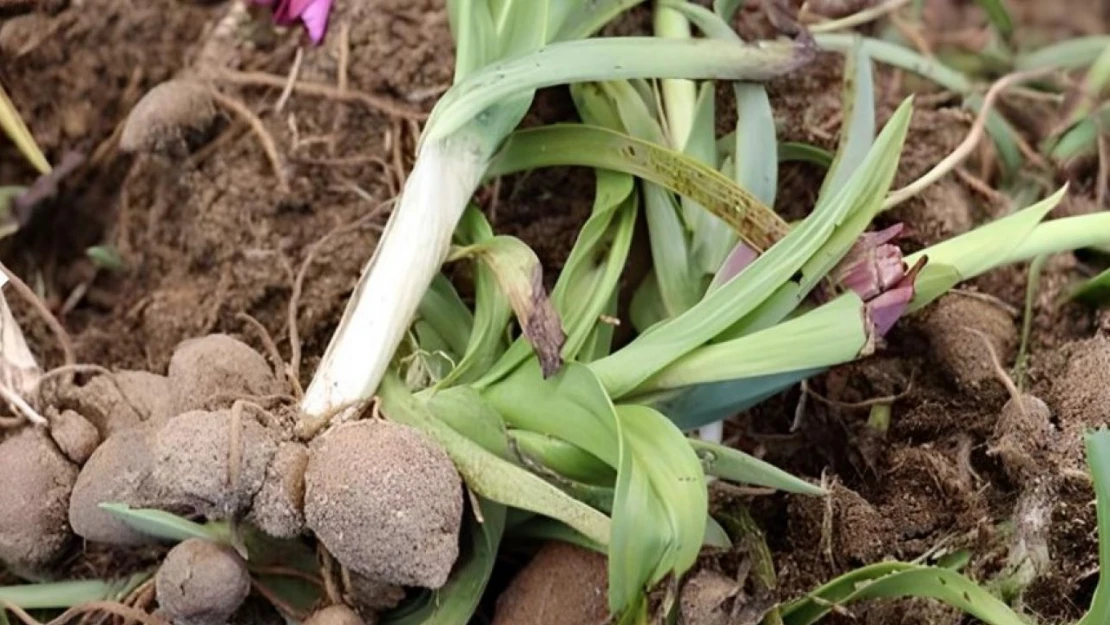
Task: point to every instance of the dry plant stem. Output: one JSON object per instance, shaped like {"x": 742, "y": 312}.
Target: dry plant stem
{"x": 280, "y": 368}
{"x": 56, "y": 328}
{"x": 968, "y": 145}
{"x": 256, "y": 125}
{"x": 869, "y": 14}
{"x": 298, "y": 289}
{"x": 19, "y": 613}
{"x": 263, "y": 79}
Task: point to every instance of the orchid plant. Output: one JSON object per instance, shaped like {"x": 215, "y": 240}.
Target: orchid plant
{"x": 312, "y": 13}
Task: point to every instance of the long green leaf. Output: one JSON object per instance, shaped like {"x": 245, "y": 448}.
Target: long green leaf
{"x": 1098, "y": 459}
{"x": 1075, "y": 53}
{"x": 655, "y": 350}
{"x": 999, "y": 15}
{"x": 736, "y": 466}
{"x": 859, "y": 110}
{"x": 609, "y": 58}
{"x": 895, "y": 579}
{"x": 164, "y": 525}
{"x": 592, "y": 146}
{"x": 58, "y": 595}
{"x": 588, "y": 17}
{"x": 1094, "y": 291}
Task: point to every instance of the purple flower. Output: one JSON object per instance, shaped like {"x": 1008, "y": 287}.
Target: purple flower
{"x": 314, "y": 14}
{"x": 874, "y": 269}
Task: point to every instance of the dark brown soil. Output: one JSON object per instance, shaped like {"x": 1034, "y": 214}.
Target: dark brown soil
{"x": 210, "y": 234}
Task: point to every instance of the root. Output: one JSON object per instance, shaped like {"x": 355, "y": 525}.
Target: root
{"x": 327, "y": 573}
{"x": 294, "y": 72}
{"x": 308, "y": 428}
{"x": 37, "y": 304}
{"x": 866, "y": 404}
{"x": 859, "y": 18}
{"x": 112, "y": 607}
{"x": 235, "y": 446}
{"x": 968, "y": 145}
{"x": 22, "y": 407}
{"x": 999, "y": 371}
{"x": 298, "y": 289}
{"x": 259, "y": 129}
{"x": 19, "y": 613}
{"x": 281, "y": 369}
{"x": 263, "y": 79}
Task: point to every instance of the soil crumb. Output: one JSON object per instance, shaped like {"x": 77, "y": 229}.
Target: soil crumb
{"x": 562, "y": 584}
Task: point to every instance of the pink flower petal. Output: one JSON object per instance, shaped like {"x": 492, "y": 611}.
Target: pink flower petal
{"x": 315, "y": 18}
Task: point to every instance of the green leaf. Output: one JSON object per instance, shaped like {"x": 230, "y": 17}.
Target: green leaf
{"x": 564, "y": 458}
{"x": 608, "y": 58}
{"x": 859, "y": 110}
{"x": 804, "y": 247}
{"x": 519, "y": 274}
{"x": 1098, "y": 459}
{"x": 975, "y": 252}
{"x": 166, "y": 526}
{"x": 736, "y": 466}
{"x": 592, "y": 146}
{"x": 463, "y": 408}
{"x": 492, "y": 310}
{"x": 893, "y": 580}
{"x": 106, "y": 257}
{"x": 473, "y": 31}
{"x": 727, "y": 8}
{"x": 545, "y": 529}
{"x": 12, "y": 125}
{"x": 804, "y": 152}
{"x": 489, "y": 475}
{"x": 456, "y": 601}
{"x": 586, "y": 18}
{"x": 998, "y": 14}
{"x": 1095, "y": 291}
{"x": 444, "y": 311}
{"x": 59, "y": 595}
{"x": 1074, "y": 53}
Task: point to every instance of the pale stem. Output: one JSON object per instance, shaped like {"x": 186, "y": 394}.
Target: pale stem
{"x": 408, "y": 256}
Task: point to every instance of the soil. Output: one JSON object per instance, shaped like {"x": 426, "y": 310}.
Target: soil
{"x": 211, "y": 234}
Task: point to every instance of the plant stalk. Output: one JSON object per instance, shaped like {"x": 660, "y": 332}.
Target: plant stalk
{"x": 409, "y": 255}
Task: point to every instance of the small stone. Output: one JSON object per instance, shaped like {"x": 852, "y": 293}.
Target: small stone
{"x": 75, "y": 436}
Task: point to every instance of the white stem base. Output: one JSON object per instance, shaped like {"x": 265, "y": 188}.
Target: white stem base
{"x": 409, "y": 254}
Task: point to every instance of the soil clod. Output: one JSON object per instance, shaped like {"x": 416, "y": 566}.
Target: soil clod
{"x": 35, "y": 486}
{"x": 278, "y": 508}
{"x": 75, "y": 436}
{"x": 562, "y": 584}
{"x": 386, "y": 502}
{"x": 175, "y": 117}
{"x": 217, "y": 365}
{"x": 952, "y": 327}
{"x": 201, "y": 583}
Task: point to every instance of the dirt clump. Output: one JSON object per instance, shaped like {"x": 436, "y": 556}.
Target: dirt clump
{"x": 336, "y": 615}
{"x": 119, "y": 401}
{"x": 35, "y": 485}
{"x": 75, "y": 436}
{"x": 171, "y": 118}
{"x": 562, "y": 584}
{"x": 1082, "y": 394}
{"x": 278, "y": 508}
{"x": 386, "y": 502}
{"x": 370, "y": 596}
{"x": 1022, "y": 439}
{"x": 215, "y": 462}
{"x": 956, "y": 326}
{"x": 704, "y": 596}
{"x": 201, "y": 583}
{"x": 119, "y": 471}
{"x": 205, "y": 369}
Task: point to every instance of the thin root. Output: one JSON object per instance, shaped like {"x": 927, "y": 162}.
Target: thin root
{"x": 968, "y": 145}
{"x": 84, "y": 368}
{"x": 112, "y": 607}
{"x": 281, "y": 369}
{"x": 263, "y": 79}
{"x": 999, "y": 371}
{"x": 259, "y": 129}
{"x": 859, "y": 405}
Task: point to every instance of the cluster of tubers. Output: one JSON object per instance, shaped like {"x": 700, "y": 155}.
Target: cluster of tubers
{"x": 382, "y": 498}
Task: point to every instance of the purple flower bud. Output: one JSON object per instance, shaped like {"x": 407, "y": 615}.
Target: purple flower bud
{"x": 313, "y": 13}
{"x": 886, "y": 308}
{"x": 873, "y": 265}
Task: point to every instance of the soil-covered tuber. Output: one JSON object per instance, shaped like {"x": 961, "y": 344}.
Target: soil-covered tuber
{"x": 119, "y": 401}
{"x": 562, "y": 584}
{"x": 201, "y": 583}
{"x": 1022, "y": 438}
{"x": 214, "y": 366}
{"x": 956, "y": 326}
{"x": 278, "y": 508}
{"x": 75, "y": 436}
{"x": 335, "y": 615}
{"x": 171, "y": 117}
{"x": 214, "y": 462}
{"x": 386, "y": 502}
{"x": 35, "y": 485}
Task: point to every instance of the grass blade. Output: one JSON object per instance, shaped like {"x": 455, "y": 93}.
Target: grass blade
{"x": 999, "y": 15}
{"x": 1095, "y": 291}
{"x": 58, "y": 595}
{"x": 736, "y": 466}
{"x": 164, "y": 525}
{"x": 895, "y": 579}
{"x": 859, "y": 109}
{"x": 12, "y": 125}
